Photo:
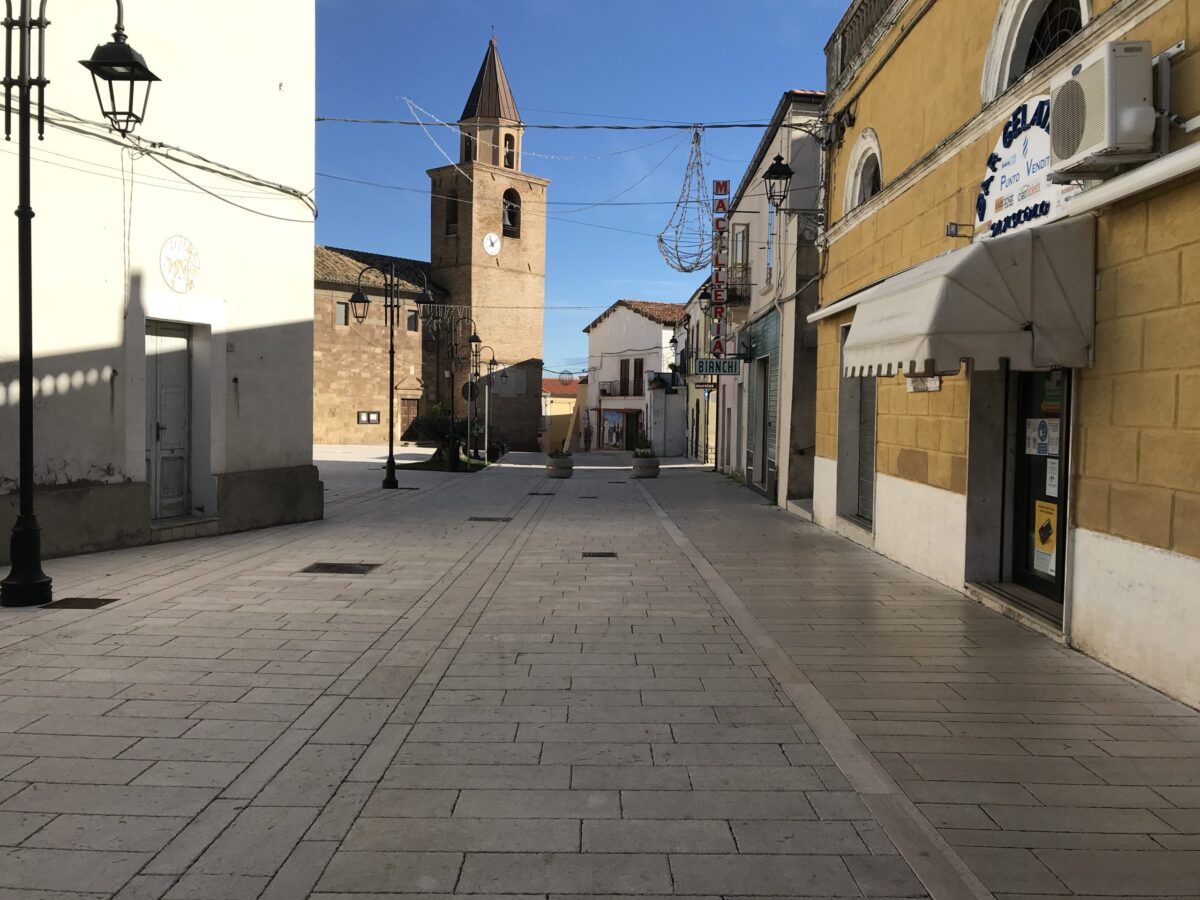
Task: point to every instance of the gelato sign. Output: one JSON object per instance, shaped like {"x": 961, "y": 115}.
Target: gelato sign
{"x": 1015, "y": 191}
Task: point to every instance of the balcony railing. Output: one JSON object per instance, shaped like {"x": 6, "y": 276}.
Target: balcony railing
{"x": 855, "y": 29}
{"x": 737, "y": 290}
{"x": 621, "y": 389}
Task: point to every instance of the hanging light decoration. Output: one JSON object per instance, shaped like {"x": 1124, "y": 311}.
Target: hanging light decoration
{"x": 686, "y": 241}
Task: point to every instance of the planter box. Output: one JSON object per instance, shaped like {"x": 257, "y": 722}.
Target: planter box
{"x": 645, "y": 467}
{"x": 559, "y": 468}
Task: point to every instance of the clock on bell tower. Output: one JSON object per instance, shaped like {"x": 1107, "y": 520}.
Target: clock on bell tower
{"x": 488, "y": 249}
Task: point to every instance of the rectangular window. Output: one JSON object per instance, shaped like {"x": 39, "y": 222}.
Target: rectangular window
{"x": 368, "y": 417}
{"x": 639, "y": 378}
{"x": 410, "y": 320}
{"x": 741, "y": 245}
{"x": 341, "y": 313}
{"x": 624, "y": 391}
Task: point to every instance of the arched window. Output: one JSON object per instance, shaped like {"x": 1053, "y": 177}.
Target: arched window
{"x": 1060, "y": 21}
{"x": 512, "y": 214}
{"x": 510, "y": 152}
{"x": 870, "y": 179}
{"x": 1026, "y": 33}
{"x": 452, "y": 213}
{"x": 864, "y": 173}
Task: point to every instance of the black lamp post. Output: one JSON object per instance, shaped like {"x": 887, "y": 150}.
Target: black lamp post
{"x": 487, "y": 396}
{"x": 442, "y": 322}
{"x": 360, "y": 303}
{"x": 27, "y": 584}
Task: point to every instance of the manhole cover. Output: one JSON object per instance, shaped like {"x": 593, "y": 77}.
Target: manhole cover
{"x": 79, "y": 603}
{"x": 490, "y": 519}
{"x": 605, "y": 554}
{"x": 326, "y": 568}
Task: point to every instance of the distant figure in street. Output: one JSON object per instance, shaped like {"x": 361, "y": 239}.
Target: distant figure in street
{"x": 587, "y": 437}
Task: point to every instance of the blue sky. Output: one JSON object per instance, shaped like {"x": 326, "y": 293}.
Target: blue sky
{"x": 570, "y": 62}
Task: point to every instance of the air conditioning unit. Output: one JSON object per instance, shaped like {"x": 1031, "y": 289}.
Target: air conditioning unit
{"x": 1102, "y": 111}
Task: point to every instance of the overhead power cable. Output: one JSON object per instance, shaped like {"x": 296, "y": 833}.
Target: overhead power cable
{"x": 813, "y": 127}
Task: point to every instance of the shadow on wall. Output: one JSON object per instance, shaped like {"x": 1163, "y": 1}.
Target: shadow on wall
{"x": 513, "y": 405}
{"x": 182, "y": 419}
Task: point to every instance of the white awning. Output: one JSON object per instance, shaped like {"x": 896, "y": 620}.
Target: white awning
{"x": 1027, "y": 297}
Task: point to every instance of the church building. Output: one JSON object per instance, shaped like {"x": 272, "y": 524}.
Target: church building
{"x": 486, "y": 275}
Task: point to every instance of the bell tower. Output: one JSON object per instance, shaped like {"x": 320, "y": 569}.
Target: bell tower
{"x": 488, "y": 248}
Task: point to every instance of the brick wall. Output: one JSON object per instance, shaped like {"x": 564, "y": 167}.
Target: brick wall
{"x": 1138, "y": 408}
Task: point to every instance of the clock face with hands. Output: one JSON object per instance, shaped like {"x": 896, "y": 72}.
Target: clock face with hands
{"x": 491, "y": 243}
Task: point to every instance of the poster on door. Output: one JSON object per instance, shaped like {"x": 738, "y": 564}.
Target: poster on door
{"x": 1045, "y": 537}
{"x": 1042, "y": 437}
{"x": 614, "y": 431}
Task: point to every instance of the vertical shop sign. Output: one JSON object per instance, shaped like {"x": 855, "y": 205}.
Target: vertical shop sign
{"x": 717, "y": 281}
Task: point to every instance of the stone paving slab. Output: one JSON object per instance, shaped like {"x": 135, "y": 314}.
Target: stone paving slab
{"x": 488, "y": 713}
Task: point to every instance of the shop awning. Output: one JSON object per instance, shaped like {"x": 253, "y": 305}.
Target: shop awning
{"x": 1027, "y": 297}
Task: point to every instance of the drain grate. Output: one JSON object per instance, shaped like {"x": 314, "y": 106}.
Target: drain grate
{"x": 618, "y": 482}
{"x": 407, "y": 488}
{"x": 603, "y": 554}
{"x": 541, "y": 493}
{"x": 325, "y": 568}
{"x": 490, "y": 519}
{"x": 79, "y": 603}
{"x": 588, "y": 497}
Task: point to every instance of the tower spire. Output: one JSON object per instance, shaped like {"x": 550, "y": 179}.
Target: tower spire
{"x": 491, "y": 97}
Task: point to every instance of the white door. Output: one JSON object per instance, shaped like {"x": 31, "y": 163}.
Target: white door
{"x": 168, "y": 370}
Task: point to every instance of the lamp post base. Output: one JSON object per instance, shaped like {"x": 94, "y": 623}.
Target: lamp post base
{"x": 26, "y": 584}
{"x": 389, "y": 480}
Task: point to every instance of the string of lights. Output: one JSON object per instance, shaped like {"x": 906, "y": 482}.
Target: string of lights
{"x": 686, "y": 240}
{"x": 415, "y": 108}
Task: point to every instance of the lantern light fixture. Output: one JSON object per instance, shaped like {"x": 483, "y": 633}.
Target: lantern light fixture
{"x": 121, "y": 78}
{"x": 359, "y": 304}
{"x": 778, "y": 179}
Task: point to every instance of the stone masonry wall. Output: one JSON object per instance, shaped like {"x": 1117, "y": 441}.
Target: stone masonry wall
{"x": 350, "y": 370}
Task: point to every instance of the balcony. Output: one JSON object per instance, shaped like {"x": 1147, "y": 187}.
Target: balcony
{"x": 851, "y": 35}
{"x": 738, "y": 284}
{"x": 621, "y": 389}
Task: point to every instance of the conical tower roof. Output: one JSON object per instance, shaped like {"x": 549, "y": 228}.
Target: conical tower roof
{"x": 491, "y": 97}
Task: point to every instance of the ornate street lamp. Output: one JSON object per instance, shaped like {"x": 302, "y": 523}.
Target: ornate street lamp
{"x": 777, "y": 179}
{"x": 360, "y": 305}
{"x": 121, "y": 78}
{"x": 27, "y": 584}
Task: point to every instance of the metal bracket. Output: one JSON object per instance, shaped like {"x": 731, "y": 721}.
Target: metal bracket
{"x": 1162, "y": 66}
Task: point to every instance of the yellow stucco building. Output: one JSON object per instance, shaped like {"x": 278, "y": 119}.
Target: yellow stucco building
{"x": 1014, "y": 410}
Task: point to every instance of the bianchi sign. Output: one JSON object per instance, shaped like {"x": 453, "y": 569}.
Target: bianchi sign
{"x": 1016, "y": 191}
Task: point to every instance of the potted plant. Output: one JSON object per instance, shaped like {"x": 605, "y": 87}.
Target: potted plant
{"x": 559, "y": 464}
{"x": 645, "y": 460}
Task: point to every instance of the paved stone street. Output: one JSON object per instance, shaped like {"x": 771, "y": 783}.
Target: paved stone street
{"x": 738, "y": 704}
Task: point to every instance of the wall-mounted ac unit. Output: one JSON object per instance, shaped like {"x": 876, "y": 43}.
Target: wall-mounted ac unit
{"x": 1102, "y": 111}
